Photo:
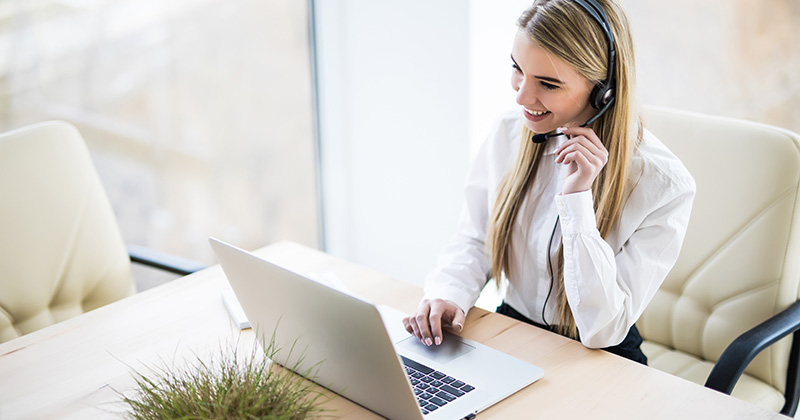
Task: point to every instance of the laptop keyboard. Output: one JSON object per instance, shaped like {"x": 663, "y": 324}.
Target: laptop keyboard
{"x": 433, "y": 388}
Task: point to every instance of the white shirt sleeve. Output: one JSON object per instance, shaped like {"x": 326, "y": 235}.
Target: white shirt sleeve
{"x": 606, "y": 292}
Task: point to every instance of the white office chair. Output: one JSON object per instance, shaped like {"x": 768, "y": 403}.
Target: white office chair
{"x": 61, "y": 253}
{"x": 725, "y": 313}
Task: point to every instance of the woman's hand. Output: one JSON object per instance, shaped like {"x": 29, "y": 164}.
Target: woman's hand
{"x": 432, "y": 314}
{"x": 584, "y": 155}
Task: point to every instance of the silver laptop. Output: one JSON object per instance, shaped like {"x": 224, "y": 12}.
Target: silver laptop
{"x": 362, "y": 352}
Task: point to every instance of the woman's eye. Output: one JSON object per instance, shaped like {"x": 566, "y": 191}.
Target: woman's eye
{"x": 549, "y": 86}
{"x": 516, "y": 68}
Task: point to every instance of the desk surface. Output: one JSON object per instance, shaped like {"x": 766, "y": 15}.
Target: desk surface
{"x": 72, "y": 369}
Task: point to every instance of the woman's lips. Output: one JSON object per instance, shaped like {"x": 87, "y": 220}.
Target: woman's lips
{"x": 536, "y": 116}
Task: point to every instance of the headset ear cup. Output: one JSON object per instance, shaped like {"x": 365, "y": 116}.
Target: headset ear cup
{"x": 601, "y": 95}
{"x": 596, "y": 96}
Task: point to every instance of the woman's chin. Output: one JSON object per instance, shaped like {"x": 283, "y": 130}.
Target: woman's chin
{"x": 540, "y": 127}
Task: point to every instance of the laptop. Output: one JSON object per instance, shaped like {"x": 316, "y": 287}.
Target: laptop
{"x": 362, "y": 352}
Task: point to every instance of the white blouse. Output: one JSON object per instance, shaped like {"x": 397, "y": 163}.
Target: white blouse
{"x": 608, "y": 282}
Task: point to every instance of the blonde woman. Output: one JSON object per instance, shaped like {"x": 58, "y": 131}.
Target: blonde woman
{"x": 584, "y": 226}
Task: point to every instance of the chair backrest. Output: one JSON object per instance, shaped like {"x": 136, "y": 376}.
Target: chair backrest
{"x": 61, "y": 252}
{"x": 740, "y": 262}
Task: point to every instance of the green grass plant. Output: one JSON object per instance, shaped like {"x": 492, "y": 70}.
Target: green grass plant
{"x": 230, "y": 386}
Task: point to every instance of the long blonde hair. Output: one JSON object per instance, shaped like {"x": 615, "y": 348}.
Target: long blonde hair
{"x": 565, "y": 29}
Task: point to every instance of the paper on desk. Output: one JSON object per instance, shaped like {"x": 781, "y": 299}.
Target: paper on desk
{"x": 235, "y": 309}
{"x": 328, "y": 278}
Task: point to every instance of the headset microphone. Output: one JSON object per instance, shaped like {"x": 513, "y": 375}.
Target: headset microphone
{"x": 541, "y": 138}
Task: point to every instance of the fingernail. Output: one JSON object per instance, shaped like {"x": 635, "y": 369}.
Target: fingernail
{"x": 459, "y": 327}
{"x": 438, "y": 340}
{"x": 428, "y": 342}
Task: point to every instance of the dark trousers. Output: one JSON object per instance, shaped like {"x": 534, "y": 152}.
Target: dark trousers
{"x": 629, "y": 348}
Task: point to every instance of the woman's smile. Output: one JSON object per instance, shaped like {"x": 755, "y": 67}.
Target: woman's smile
{"x": 536, "y": 116}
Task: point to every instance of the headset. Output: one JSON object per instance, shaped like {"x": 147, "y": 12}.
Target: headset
{"x": 603, "y": 94}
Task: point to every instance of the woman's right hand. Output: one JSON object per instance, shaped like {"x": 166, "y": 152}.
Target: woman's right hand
{"x": 433, "y": 314}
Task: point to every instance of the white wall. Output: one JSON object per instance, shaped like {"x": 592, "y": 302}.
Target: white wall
{"x": 394, "y": 105}
{"x": 492, "y": 30}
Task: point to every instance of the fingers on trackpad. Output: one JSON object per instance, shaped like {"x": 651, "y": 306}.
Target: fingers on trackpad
{"x": 451, "y": 348}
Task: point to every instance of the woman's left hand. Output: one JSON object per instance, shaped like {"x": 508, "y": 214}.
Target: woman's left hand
{"x": 584, "y": 155}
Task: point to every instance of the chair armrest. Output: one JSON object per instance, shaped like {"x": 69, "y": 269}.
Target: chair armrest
{"x": 743, "y": 349}
{"x": 162, "y": 261}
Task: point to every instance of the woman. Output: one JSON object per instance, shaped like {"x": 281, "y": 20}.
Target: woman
{"x": 585, "y": 226}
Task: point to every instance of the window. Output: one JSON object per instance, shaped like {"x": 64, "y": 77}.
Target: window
{"x": 198, "y": 113}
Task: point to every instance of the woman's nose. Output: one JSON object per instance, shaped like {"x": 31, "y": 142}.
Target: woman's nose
{"x": 526, "y": 95}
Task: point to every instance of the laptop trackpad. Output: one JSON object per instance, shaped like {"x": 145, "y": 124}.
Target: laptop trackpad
{"x": 451, "y": 348}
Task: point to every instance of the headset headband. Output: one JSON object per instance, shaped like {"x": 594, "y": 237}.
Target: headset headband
{"x": 593, "y": 8}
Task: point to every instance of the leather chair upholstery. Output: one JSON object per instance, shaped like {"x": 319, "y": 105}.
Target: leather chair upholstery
{"x": 61, "y": 252}
{"x": 740, "y": 262}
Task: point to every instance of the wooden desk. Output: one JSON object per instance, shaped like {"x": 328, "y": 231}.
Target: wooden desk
{"x": 70, "y": 370}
